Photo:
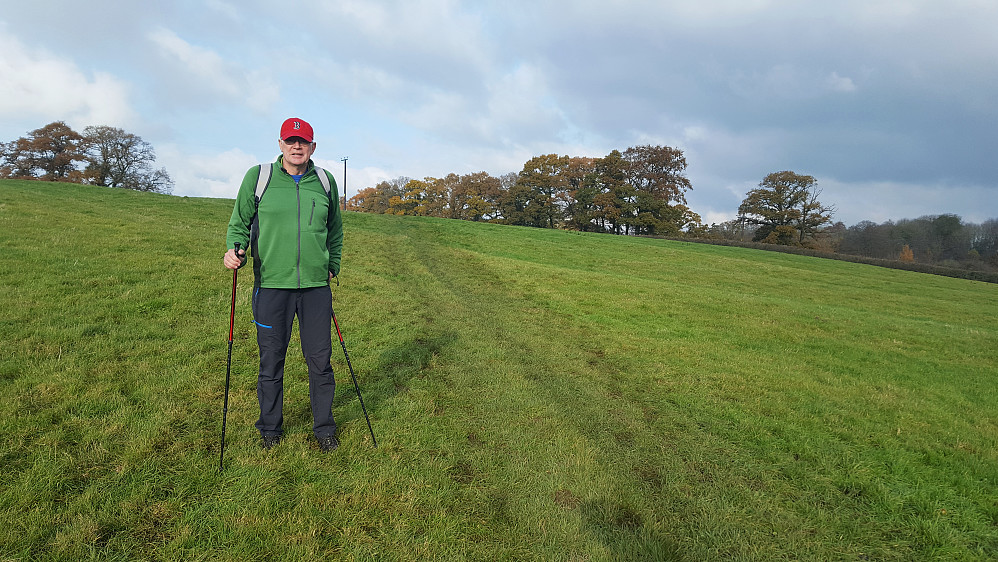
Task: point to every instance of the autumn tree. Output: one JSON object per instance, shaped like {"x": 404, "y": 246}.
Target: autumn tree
{"x": 457, "y": 196}
{"x": 57, "y": 148}
{"x": 580, "y": 209}
{"x": 543, "y": 179}
{"x": 516, "y": 206}
{"x": 120, "y": 159}
{"x": 657, "y": 175}
{"x": 436, "y": 199}
{"x": 507, "y": 182}
{"x": 786, "y": 209}
{"x": 16, "y": 159}
{"x": 9, "y": 162}
{"x": 48, "y": 153}
{"x": 411, "y": 200}
{"x": 364, "y": 201}
{"x": 384, "y": 192}
{"x": 613, "y": 202}
{"x": 475, "y": 197}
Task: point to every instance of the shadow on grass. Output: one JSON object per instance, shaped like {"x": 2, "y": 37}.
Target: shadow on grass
{"x": 396, "y": 367}
{"x": 623, "y": 530}
{"x": 400, "y": 364}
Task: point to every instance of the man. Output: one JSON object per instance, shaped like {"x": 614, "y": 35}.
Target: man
{"x": 296, "y": 236}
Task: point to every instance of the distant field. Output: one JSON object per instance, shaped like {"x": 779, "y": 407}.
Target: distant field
{"x": 536, "y": 395}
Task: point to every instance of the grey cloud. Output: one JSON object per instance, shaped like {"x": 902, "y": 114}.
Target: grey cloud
{"x": 867, "y": 95}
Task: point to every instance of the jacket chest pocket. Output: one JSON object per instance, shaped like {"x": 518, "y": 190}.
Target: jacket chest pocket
{"x": 318, "y": 210}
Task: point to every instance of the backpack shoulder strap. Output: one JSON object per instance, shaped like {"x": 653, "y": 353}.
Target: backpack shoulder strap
{"x": 262, "y": 180}
{"x": 324, "y": 180}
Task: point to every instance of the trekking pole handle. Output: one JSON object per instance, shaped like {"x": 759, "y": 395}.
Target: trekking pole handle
{"x": 242, "y": 259}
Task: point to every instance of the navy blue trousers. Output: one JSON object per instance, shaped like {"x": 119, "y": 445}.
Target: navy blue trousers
{"x": 274, "y": 311}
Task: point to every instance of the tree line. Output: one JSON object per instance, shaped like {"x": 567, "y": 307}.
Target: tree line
{"x": 938, "y": 239}
{"x": 641, "y": 191}
{"x": 101, "y": 155}
{"x": 941, "y": 240}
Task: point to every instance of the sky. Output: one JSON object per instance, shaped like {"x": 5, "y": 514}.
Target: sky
{"x": 892, "y": 105}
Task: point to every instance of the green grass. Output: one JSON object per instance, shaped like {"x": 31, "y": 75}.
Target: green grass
{"x": 536, "y": 395}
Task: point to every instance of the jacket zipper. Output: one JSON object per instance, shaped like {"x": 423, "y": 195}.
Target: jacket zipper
{"x": 298, "y": 263}
{"x": 312, "y": 214}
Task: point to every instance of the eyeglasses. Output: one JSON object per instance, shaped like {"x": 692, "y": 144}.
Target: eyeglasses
{"x": 296, "y": 140}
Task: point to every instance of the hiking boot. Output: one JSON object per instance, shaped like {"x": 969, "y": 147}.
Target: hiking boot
{"x": 327, "y": 444}
{"x": 269, "y": 441}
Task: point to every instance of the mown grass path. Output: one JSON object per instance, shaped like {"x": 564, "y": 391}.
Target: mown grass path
{"x": 537, "y": 395}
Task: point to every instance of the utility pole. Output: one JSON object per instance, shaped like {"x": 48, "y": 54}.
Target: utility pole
{"x": 344, "y": 160}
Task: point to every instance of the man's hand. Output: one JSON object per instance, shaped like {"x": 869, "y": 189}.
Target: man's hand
{"x": 231, "y": 260}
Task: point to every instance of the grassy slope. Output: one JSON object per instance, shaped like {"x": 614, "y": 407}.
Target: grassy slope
{"x": 536, "y": 395}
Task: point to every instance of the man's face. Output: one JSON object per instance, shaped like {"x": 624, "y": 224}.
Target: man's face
{"x": 296, "y": 150}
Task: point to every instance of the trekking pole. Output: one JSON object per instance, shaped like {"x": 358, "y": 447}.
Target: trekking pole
{"x": 355, "y": 385}
{"x": 228, "y": 362}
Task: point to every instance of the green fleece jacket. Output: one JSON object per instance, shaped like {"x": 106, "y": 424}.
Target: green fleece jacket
{"x": 297, "y": 229}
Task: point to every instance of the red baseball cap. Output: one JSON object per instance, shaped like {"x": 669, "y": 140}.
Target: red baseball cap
{"x": 295, "y": 127}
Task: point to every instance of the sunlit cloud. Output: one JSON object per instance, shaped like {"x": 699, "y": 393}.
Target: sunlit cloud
{"x": 38, "y": 83}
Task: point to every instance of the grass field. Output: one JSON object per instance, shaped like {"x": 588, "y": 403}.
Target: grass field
{"x": 536, "y": 395}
